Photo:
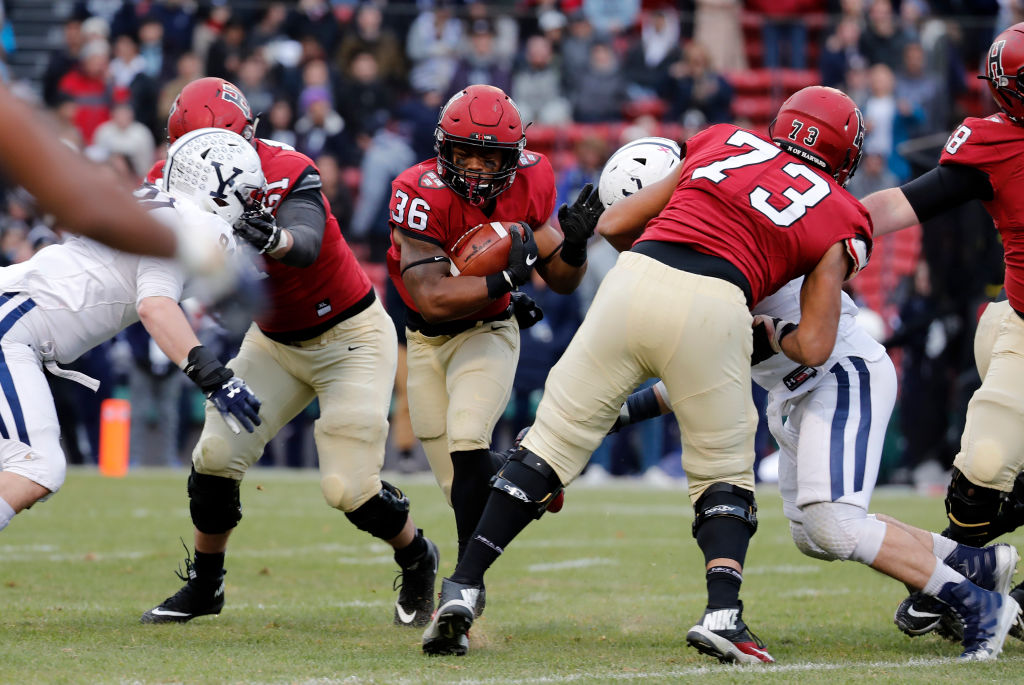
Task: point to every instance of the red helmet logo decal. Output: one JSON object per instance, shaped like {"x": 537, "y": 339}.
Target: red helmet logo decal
{"x": 231, "y": 94}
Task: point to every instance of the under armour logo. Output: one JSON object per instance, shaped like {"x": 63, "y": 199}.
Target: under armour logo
{"x": 223, "y": 183}
{"x": 234, "y": 389}
{"x": 723, "y": 619}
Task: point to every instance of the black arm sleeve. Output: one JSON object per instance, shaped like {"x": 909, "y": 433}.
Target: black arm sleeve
{"x": 303, "y": 214}
{"x": 945, "y": 187}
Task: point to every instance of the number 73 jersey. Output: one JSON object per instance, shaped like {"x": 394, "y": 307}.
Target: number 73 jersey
{"x": 772, "y": 215}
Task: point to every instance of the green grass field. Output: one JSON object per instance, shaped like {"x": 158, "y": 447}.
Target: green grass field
{"x": 602, "y": 592}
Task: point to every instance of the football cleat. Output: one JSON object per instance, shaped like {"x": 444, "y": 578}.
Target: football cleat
{"x": 448, "y": 632}
{"x": 987, "y": 619}
{"x": 415, "y": 585}
{"x": 920, "y": 614}
{"x": 990, "y": 568}
{"x": 1017, "y": 630}
{"x": 195, "y": 598}
{"x": 722, "y": 634}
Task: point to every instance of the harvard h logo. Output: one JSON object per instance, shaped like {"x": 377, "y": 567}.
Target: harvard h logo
{"x": 995, "y": 63}
{"x": 223, "y": 183}
{"x": 234, "y": 96}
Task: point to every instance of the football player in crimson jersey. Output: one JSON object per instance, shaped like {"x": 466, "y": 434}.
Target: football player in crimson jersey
{"x": 324, "y": 335}
{"x": 742, "y": 216}
{"x": 463, "y": 335}
{"x": 982, "y": 160}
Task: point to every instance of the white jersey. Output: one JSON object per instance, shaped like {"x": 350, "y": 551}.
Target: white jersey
{"x": 851, "y": 341}
{"x": 86, "y": 292}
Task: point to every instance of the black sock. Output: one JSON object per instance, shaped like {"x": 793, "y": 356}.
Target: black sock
{"x": 723, "y": 587}
{"x": 503, "y": 519}
{"x": 413, "y": 552}
{"x": 208, "y": 566}
{"x": 471, "y": 486}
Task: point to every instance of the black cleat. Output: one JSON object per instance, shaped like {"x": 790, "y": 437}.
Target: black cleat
{"x": 448, "y": 632}
{"x": 195, "y": 598}
{"x": 920, "y": 614}
{"x": 415, "y": 585}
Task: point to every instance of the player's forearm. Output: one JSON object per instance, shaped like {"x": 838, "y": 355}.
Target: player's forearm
{"x": 451, "y": 298}
{"x": 561, "y": 277}
{"x": 890, "y": 211}
{"x": 168, "y": 326}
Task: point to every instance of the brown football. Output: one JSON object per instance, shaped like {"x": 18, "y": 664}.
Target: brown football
{"x": 483, "y": 249}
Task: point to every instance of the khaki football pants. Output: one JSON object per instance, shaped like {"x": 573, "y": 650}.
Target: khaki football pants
{"x": 351, "y": 369}
{"x": 459, "y": 386}
{"x": 650, "y": 320}
{"x": 992, "y": 446}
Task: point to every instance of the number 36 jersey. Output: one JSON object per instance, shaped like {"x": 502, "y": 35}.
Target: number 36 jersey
{"x": 995, "y": 146}
{"x": 742, "y": 198}
{"x": 424, "y": 208}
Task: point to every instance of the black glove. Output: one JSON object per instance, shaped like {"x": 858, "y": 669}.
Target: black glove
{"x": 526, "y": 310}
{"x": 522, "y": 256}
{"x": 578, "y": 223}
{"x": 231, "y": 396}
{"x": 768, "y": 334}
{"x": 259, "y": 228}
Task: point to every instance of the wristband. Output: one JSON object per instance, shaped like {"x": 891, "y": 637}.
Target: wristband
{"x": 205, "y": 370}
{"x": 498, "y": 284}
{"x": 574, "y": 254}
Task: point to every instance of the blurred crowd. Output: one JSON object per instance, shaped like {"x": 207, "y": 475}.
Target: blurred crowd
{"x": 357, "y": 85}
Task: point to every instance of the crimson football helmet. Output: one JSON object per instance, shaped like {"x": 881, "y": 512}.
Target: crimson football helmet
{"x": 210, "y": 103}
{"x": 822, "y": 126}
{"x": 1003, "y": 71}
{"x": 483, "y": 117}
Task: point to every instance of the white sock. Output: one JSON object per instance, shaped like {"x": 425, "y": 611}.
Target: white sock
{"x": 6, "y": 513}
{"x": 942, "y": 547}
{"x": 940, "y": 577}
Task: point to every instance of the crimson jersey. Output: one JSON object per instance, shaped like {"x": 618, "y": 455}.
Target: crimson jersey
{"x": 424, "y": 208}
{"x": 302, "y": 298}
{"x": 995, "y": 146}
{"x": 740, "y": 197}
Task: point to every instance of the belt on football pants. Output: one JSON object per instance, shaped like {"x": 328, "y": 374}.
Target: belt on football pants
{"x": 305, "y": 335}
{"x": 415, "y": 322}
{"x": 686, "y": 258}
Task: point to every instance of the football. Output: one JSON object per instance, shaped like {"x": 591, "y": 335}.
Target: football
{"x": 483, "y": 249}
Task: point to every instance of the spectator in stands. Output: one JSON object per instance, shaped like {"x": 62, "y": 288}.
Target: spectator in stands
{"x": 88, "y": 85}
{"x": 367, "y": 101}
{"x": 590, "y": 153}
{"x": 506, "y": 30}
{"x": 882, "y": 40}
{"x": 279, "y": 123}
{"x": 647, "y": 60}
{"x": 551, "y": 24}
{"x": 225, "y": 54}
{"x": 611, "y": 17}
{"x": 368, "y": 35}
{"x": 254, "y": 82}
{"x": 63, "y": 60}
{"x": 842, "y": 45}
{"x": 433, "y": 45}
{"x": 123, "y": 135}
{"x": 388, "y": 154}
{"x": 336, "y": 190}
{"x": 189, "y": 69}
{"x": 314, "y": 18}
{"x": 857, "y": 81}
{"x": 207, "y": 32}
{"x": 321, "y": 130}
{"x": 922, "y": 90}
{"x": 419, "y": 113}
{"x": 694, "y": 86}
{"x": 151, "y": 47}
{"x": 128, "y": 72}
{"x": 717, "y": 27}
{"x": 575, "y": 47}
{"x": 154, "y": 387}
{"x": 889, "y": 120}
{"x": 537, "y": 86}
{"x": 873, "y": 174}
{"x": 271, "y": 26}
{"x": 784, "y": 31}
{"x": 600, "y": 90}
{"x": 481, "y": 64}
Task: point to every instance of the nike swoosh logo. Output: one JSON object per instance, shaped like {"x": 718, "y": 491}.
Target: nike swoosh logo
{"x": 164, "y": 612}
{"x": 354, "y": 348}
{"x": 922, "y": 614}
{"x": 530, "y": 260}
{"x": 402, "y": 616}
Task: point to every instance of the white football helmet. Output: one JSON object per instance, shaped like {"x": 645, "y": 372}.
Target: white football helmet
{"x": 635, "y": 165}
{"x": 216, "y": 169}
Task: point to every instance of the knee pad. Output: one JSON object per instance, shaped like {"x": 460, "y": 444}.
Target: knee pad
{"x": 973, "y": 511}
{"x": 805, "y": 544}
{"x": 528, "y": 478}
{"x": 843, "y": 531}
{"x": 725, "y": 517}
{"x": 383, "y": 515}
{"x": 215, "y": 502}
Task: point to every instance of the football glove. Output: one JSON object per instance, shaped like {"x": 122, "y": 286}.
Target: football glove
{"x": 259, "y": 228}
{"x": 578, "y": 223}
{"x": 237, "y": 404}
{"x": 768, "y": 334}
{"x": 522, "y": 256}
{"x": 526, "y": 310}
